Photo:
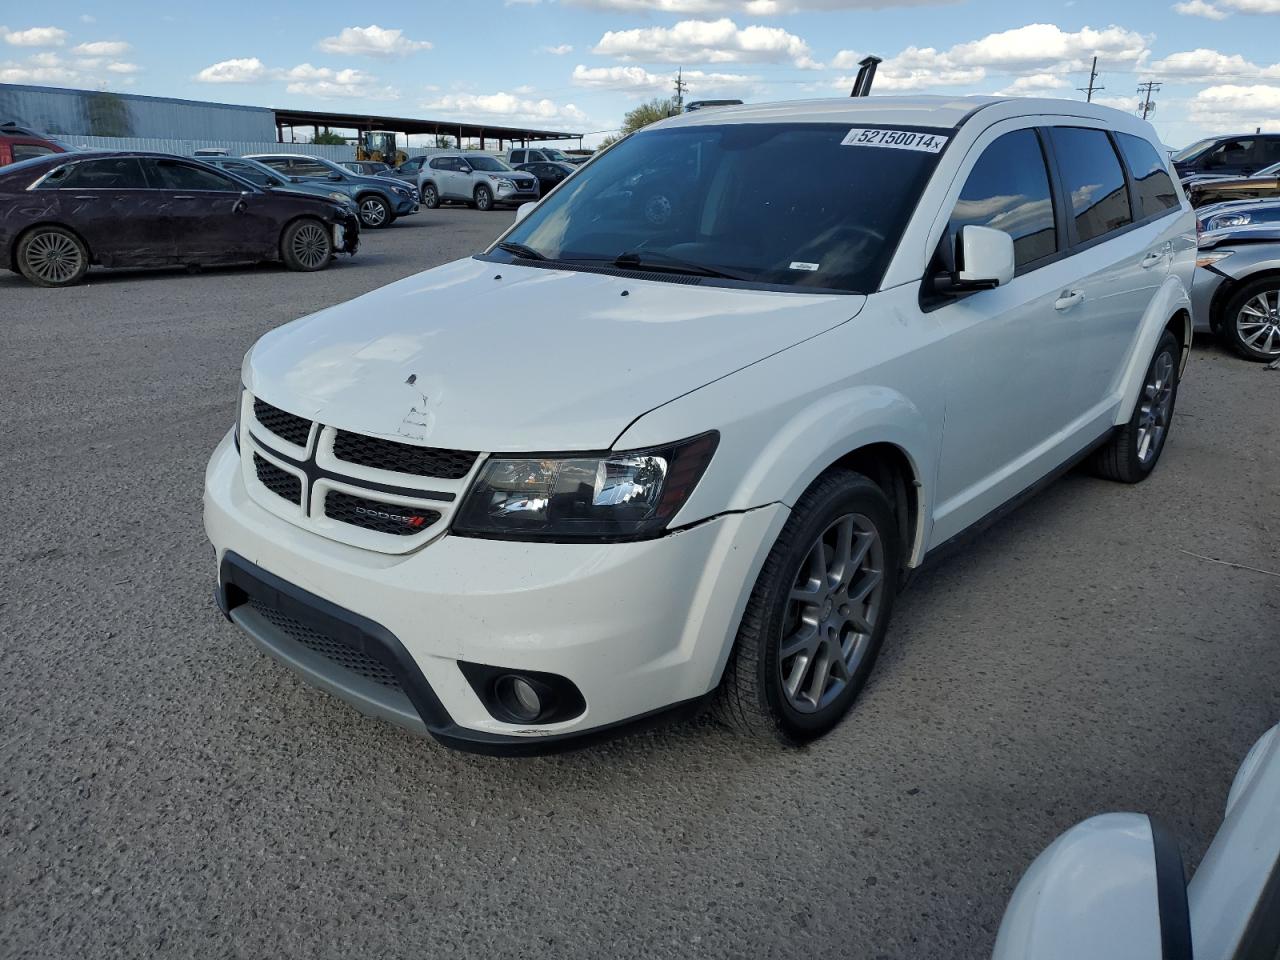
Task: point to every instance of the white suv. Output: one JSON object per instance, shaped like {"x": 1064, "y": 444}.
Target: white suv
{"x": 610, "y": 471}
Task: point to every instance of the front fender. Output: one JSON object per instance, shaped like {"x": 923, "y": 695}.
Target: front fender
{"x": 1171, "y": 298}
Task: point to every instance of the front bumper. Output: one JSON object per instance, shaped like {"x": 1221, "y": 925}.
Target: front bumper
{"x": 406, "y": 206}
{"x": 639, "y": 628}
{"x": 1204, "y": 285}
{"x": 509, "y": 195}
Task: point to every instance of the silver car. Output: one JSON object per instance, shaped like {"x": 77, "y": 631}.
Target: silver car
{"x": 1236, "y": 288}
{"x": 476, "y": 179}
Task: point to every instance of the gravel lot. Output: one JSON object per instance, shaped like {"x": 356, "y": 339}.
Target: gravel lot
{"x": 166, "y": 790}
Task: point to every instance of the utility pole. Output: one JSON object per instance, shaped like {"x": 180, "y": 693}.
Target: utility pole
{"x": 681, "y": 86}
{"x": 1146, "y": 104}
{"x": 1093, "y": 84}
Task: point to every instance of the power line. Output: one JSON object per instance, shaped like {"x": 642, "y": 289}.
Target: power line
{"x": 681, "y": 86}
{"x": 1093, "y": 84}
{"x": 1145, "y": 90}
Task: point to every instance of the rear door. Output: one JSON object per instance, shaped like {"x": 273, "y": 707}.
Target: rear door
{"x": 1011, "y": 353}
{"x": 108, "y": 203}
{"x": 1120, "y": 231}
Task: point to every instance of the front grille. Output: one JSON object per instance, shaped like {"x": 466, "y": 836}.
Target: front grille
{"x": 287, "y": 426}
{"x": 347, "y": 657}
{"x": 375, "y": 515}
{"x": 524, "y": 184}
{"x": 402, "y": 457}
{"x": 280, "y": 482}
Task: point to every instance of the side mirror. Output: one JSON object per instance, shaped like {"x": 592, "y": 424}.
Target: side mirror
{"x": 984, "y": 259}
{"x": 524, "y": 210}
{"x": 335, "y": 177}
{"x": 1111, "y": 888}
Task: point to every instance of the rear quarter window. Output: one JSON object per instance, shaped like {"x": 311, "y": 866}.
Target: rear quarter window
{"x": 1153, "y": 188}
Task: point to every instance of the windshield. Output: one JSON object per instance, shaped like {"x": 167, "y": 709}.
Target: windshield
{"x": 552, "y": 154}
{"x": 779, "y": 204}
{"x": 488, "y": 164}
{"x": 1193, "y": 151}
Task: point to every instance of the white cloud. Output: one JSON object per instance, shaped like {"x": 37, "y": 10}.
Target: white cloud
{"x": 1234, "y": 105}
{"x": 1253, "y": 6}
{"x": 635, "y": 79}
{"x": 102, "y": 48}
{"x": 560, "y": 50}
{"x": 707, "y": 41}
{"x": 49, "y": 67}
{"x": 1035, "y": 85}
{"x": 372, "y": 41}
{"x": 235, "y": 70}
{"x": 120, "y": 66}
{"x": 306, "y": 80}
{"x": 755, "y": 8}
{"x": 508, "y": 106}
{"x": 1198, "y": 8}
{"x": 36, "y": 37}
{"x": 1202, "y": 64}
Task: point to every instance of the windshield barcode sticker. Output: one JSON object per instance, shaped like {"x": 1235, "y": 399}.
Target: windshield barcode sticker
{"x": 894, "y": 139}
{"x": 802, "y": 265}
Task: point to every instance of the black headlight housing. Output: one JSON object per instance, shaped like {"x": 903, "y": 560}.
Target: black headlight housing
{"x": 576, "y": 497}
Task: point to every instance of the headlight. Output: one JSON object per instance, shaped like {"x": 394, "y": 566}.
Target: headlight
{"x": 400, "y": 191}
{"x": 629, "y": 495}
{"x": 342, "y": 198}
{"x": 1205, "y": 259}
{"x": 1229, "y": 220}
{"x": 502, "y": 181}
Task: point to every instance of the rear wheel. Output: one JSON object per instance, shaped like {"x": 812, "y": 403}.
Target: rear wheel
{"x": 306, "y": 246}
{"x": 430, "y": 199}
{"x": 1251, "y": 320}
{"x": 818, "y": 614}
{"x": 374, "y": 212}
{"x": 484, "y": 198}
{"x": 52, "y": 257}
{"x": 1133, "y": 450}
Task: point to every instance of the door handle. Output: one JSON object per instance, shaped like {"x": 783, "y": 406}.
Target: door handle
{"x": 183, "y": 196}
{"x": 1152, "y": 258}
{"x": 86, "y": 197}
{"x": 1068, "y": 299}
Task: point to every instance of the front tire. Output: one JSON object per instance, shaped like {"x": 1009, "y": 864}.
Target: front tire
{"x": 1251, "y": 320}
{"x": 306, "y": 246}
{"x": 374, "y": 213}
{"x": 484, "y": 198}
{"x": 817, "y": 617}
{"x": 52, "y": 256}
{"x": 1133, "y": 450}
{"x": 430, "y": 199}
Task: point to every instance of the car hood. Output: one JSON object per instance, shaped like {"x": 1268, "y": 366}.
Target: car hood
{"x": 478, "y": 355}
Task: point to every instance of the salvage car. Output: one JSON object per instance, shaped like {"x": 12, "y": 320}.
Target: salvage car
{"x": 1240, "y": 155}
{"x": 64, "y": 212}
{"x": 1265, "y": 184}
{"x": 381, "y": 200}
{"x": 608, "y": 472}
{"x": 1236, "y": 291}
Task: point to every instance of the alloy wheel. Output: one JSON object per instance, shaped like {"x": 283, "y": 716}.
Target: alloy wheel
{"x": 373, "y": 212}
{"x": 1156, "y": 406}
{"x": 831, "y": 615}
{"x": 484, "y": 200}
{"x": 53, "y": 257}
{"x": 1258, "y": 323}
{"x": 310, "y": 245}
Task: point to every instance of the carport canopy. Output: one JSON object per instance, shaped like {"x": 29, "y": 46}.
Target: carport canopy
{"x": 360, "y": 122}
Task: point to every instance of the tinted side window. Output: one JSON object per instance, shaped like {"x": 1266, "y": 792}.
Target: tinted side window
{"x": 1008, "y": 189}
{"x": 517, "y": 156}
{"x": 1093, "y": 179}
{"x": 1269, "y": 151}
{"x": 1231, "y": 153}
{"x": 124, "y": 173}
{"x": 302, "y": 167}
{"x": 171, "y": 175}
{"x": 439, "y": 163}
{"x": 1152, "y": 184}
{"x": 252, "y": 174}
{"x": 25, "y": 151}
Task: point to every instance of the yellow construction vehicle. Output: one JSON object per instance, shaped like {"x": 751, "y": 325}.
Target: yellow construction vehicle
{"x": 380, "y": 145}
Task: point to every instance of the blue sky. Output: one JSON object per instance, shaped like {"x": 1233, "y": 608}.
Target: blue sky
{"x": 580, "y": 64}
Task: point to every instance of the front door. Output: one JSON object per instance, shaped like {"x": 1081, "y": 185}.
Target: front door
{"x": 209, "y": 214}
{"x": 1002, "y": 432}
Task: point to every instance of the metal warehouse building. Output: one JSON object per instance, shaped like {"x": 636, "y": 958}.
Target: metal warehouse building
{"x": 96, "y": 113}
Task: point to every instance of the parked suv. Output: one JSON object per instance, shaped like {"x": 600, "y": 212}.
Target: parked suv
{"x": 541, "y": 155}
{"x": 260, "y": 175}
{"x": 609, "y": 471}
{"x": 1238, "y": 156}
{"x": 380, "y": 200}
{"x": 477, "y": 179}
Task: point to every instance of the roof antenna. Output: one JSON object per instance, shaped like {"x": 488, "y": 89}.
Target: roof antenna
{"x": 866, "y": 74}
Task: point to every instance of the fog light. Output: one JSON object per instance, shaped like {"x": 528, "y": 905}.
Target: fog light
{"x": 520, "y": 697}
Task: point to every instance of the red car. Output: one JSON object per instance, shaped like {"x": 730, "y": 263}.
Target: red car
{"x": 19, "y": 143}
{"x": 63, "y": 212}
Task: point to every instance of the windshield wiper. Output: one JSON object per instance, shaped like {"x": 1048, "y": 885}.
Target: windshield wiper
{"x": 520, "y": 250}
{"x": 652, "y": 260}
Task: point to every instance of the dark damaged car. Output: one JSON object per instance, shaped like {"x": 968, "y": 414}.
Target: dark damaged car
{"x": 62, "y": 213}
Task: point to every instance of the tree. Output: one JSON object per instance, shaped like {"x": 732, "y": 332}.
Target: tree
{"x": 330, "y": 138}
{"x": 647, "y": 113}
{"x": 444, "y": 141}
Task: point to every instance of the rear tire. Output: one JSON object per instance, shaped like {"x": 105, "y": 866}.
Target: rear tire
{"x": 1251, "y": 320}
{"x": 1134, "y": 449}
{"x": 306, "y": 246}
{"x": 817, "y": 617}
{"x": 52, "y": 256}
{"x": 484, "y": 198}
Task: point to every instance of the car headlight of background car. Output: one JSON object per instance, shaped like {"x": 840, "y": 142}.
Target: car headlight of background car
{"x": 1212, "y": 257}
{"x": 502, "y": 181}
{"x": 1229, "y": 220}
{"x": 627, "y": 495}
